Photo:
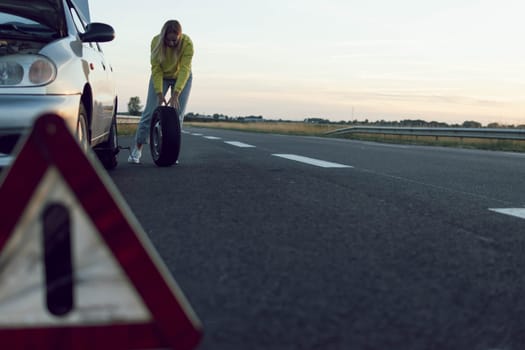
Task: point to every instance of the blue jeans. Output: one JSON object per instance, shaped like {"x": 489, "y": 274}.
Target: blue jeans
{"x": 142, "y": 135}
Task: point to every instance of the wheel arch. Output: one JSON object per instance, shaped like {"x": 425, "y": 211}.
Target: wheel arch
{"x": 87, "y": 100}
{"x": 115, "y": 108}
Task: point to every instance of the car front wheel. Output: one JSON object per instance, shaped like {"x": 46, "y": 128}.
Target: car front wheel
{"x": 82, "y": 132}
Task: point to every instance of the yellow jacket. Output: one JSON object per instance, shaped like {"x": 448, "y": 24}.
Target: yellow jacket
{"x": 174, "y": 66}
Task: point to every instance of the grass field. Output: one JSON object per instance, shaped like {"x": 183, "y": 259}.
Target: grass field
{"x": 126, "y": 129}
{"x": 305, "y": 129}
{"x": 288, "y": 128}
{"x": 473, "y": 143}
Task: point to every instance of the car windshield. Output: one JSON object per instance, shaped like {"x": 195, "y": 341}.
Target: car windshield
{"x": 20, "y": 27}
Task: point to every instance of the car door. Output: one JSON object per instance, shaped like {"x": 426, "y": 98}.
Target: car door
{"x": 99, "y": 75}
{"x": 103, "y": 93}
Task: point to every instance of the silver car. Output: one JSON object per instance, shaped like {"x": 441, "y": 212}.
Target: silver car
{"x": 51, "y": 62}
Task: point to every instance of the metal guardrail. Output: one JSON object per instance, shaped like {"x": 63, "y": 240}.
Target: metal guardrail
{"x": 127, "y": 119}
{"x": 479, "y": 133}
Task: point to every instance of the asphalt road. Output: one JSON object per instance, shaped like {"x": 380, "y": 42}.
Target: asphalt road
{"x": 391, "y": 247}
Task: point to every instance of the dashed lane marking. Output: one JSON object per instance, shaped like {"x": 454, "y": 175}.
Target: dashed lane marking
{"x": 238, "y": 144}
{"x": 517, "y": 212}
{"x": 312, "y": 161}
{"x": 212, "y": 137}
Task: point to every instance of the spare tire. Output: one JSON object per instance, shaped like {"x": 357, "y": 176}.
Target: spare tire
{"x": 165, "y": 136}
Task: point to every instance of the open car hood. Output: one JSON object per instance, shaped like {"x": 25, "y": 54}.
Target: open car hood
{"x": 48, "y": 12}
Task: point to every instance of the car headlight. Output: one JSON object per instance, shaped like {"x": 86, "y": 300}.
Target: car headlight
{"x": 26, "y": 70}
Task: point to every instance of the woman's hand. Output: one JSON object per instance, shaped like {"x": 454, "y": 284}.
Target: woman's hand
{"x": 174, "y": 100}
{"x": 160, "y": 99}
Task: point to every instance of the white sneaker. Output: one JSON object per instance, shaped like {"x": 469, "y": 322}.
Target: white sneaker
{"x": 134, "y": 157}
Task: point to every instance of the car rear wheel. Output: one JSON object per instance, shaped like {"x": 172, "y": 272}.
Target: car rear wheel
{"x": 82, "y": 132}
{"x": 108, "y": 150}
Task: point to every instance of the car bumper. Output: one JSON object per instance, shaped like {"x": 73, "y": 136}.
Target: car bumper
{"x": 19, "y": 112}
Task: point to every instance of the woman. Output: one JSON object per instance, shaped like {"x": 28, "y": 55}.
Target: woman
{"x": 171, "y": 55}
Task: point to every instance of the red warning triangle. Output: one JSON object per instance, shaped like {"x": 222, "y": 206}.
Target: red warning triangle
{"x": 120, "y": 295}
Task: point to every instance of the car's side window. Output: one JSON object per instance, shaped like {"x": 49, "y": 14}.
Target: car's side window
{"x": 81, "y": 27}
{"x": 79, "y": 23}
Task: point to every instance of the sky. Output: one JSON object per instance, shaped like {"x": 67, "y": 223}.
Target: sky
{"x": 436, "y": 60}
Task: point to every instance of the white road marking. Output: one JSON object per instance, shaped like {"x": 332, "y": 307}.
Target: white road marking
{"x": 196, "y": 134}
{"x": 212, "y": 137}
{"x": 517, "y": 212}
{"x": 312, "y": 161}
{"x": 238, "y": 144}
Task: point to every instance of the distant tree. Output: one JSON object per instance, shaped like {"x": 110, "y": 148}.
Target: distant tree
{"x": 494, "y": 125}
{"x": 435, "y": 124}
{"x": 471, "y": 124}
{"x": 134, "y": 107}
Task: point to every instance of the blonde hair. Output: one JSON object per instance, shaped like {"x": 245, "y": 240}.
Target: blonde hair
{"x": 159, "y": 51}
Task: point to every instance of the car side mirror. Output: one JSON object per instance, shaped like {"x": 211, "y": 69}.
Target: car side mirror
{"x": 98, "y": 32}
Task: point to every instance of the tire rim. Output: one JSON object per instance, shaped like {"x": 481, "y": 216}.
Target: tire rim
{"x": 115, "y": 137}
{"x": 82, "y": 133}
{"x": 157, "y": 137}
